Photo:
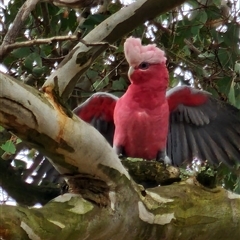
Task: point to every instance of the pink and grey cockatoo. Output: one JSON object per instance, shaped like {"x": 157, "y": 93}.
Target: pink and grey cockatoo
{"x": 152, "y": 123}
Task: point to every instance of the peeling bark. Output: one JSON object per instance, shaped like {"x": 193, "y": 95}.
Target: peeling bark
{"x": 179, "y": 211}
{"x": 116, "y": 207}
{"x": 73, "y": 145}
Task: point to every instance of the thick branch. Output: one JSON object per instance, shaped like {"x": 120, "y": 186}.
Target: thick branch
{"x": 179, "y": 211}
{"x": 151, "y": 173}
{"x": 73, "y": 145}
{"x": 113, "y": 28}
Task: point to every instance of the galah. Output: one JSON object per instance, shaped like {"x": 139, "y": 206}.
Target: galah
{"x": 173, "y": 126}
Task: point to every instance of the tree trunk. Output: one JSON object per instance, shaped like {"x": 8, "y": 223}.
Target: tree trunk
{"x": 117, "y": 207}
{"x": 179, "y": 211}
{"x": 107, "y": 203}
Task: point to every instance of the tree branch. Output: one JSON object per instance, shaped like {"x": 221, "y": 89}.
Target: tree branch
{"x": 98, "y": 44}
{"x": 75, "y": 3}
{"x": 113, "y": 28}
{"x": 12, "y": 182}
{"x": 72, "y": 145}
{"x": 179, "y": 211}
{"x": 9, "y": 47}
{"x": 17, "y": 25}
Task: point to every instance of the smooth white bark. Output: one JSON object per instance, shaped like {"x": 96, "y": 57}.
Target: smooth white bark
{"x": 38, "y": 119}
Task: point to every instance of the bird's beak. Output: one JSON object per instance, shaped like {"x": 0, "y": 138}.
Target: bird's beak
{"x": 130, "y": 71}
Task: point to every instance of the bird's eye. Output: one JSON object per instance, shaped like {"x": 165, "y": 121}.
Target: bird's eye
{"x": 143, "y": 65}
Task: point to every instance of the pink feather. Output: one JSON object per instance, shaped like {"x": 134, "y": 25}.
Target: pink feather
{"x": 136, "y": 53}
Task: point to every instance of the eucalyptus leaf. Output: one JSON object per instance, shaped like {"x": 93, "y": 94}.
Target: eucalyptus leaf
{"x": 8, "y": 147}
{"x": 21, "y": 52}
{"x": 119, "y": 84}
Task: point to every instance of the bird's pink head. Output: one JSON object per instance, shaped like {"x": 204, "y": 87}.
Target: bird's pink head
{"x": 136, "y": 53}
{"x": 147, "y": 64}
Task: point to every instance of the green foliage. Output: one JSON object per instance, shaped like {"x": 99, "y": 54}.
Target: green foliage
{"x": 119, "y": 84}
{"x": 229, "y": 179}
{"x": 92, "y": 21}
{"x": 33, "y": 64}
{"x": 205, "y": 42}
{"x": 8, "y": 147}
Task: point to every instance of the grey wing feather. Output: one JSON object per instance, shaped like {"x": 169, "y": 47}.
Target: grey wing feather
{"x": 210, "y": 131}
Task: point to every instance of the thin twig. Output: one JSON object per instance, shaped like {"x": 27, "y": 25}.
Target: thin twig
{"x": 192, "y": 47}
{"x": 17, "y": 25}
{"x": 97, "y": 44}
{"x": 12, "y": 46}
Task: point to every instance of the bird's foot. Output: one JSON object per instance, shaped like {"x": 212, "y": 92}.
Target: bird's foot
{"x": 162, "y": 157}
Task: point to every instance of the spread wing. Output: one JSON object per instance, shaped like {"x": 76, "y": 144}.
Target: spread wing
{"x": 98, "y": 111}
{"x": 203, "y": 127}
